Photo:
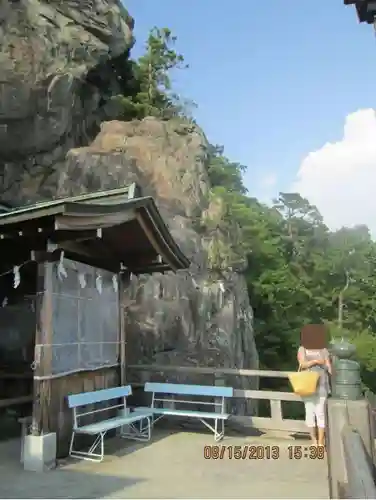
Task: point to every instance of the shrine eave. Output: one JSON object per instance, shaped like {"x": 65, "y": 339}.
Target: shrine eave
{"x": 366, "y": 10}
{"x": 112, "y": 230}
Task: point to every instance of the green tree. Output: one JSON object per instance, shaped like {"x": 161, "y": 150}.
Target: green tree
{"x": 224, "y": 173}
{"x": 297, "y": 269}
{"x": 152, "y": 72}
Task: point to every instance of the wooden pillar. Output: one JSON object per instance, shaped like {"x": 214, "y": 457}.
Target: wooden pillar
{"x": 124, "y": 281}
{"x": 43, "y": 349}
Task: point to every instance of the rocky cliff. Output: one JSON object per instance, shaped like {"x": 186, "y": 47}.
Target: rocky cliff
{"x": 60, "y": 63}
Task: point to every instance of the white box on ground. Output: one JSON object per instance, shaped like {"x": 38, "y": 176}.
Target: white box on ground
{"x": 39, "y": 452}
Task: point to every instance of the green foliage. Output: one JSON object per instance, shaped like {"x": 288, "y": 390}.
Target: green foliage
{"x": 152, "y": 93}
{"x": 297, "y": 269}
{"x": 224, "y": 173}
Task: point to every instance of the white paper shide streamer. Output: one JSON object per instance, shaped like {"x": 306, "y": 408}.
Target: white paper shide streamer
{"x": 98, "y": 283}
{"x": 82, "y": 280}
{"x": 61, "y": 271}
{"x": 16, "y": 277}
{"x": 115, "y": 283}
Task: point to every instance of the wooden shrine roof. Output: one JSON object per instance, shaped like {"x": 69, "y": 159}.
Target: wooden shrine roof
{"x": 108, "y": 229}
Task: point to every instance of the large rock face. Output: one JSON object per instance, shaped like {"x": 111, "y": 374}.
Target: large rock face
{"x": 201, "y": 316}
{"x": 60, "y": 62}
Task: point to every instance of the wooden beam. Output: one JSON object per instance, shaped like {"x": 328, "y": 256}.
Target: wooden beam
{"x": 150, "y": 236}
{"x": 105, "y": 264}
{"x": 358, "y": 465}
{"x": 77, "y": 236}
{"x": 5, "y": 403}
{"x": 253, "y": 394}
{"x": 141, "y": 258}
{"x": 96, "y": 257}
{"x": 74, "y": 247}
{"x": 94, "y": 220}
{"x": 210, "y": 370}
{"x": 95, "y": 248}
{"x": 16, "y": 376}
{"x": 268, "y": 395}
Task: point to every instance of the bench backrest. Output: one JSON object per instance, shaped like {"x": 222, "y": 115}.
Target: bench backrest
{"x": 88, "y": 398}
{"x": 168, "y": 394}
{"x": 79, "y": 402}
{"x": 189, "y": 390}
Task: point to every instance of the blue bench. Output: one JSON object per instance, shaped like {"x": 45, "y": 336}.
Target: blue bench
{"x": 164, "y": 393}
{"x": 134, "y": 425}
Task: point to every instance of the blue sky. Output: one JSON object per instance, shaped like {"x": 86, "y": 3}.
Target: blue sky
{"x": 274, "y": 80}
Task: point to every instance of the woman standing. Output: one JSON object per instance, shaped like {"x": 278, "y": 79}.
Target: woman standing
{"x": 318, "y": 361}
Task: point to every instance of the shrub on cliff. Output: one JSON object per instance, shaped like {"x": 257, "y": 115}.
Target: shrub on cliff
{"x": 153, "y": 95}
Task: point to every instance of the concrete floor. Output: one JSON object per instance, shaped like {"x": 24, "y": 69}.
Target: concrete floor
{"x": 172, "y": 465}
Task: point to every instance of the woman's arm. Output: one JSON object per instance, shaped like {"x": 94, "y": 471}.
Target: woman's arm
{"x": 303, "y": 363}
{"x": 328, "y": 362}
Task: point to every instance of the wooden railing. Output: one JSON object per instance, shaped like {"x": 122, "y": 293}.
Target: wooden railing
{"x": 275, "y": 422}
{"x": 351, "y": 448}
{"x": 359, "y": 468}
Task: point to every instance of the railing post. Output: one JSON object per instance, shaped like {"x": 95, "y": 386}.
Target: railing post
{"x": 276, "y": 410}
{"x": 346, "y": 381}
{"x": 170, "y": 404}
{"x": 277, "y": 422}
{"x": 219, "y": 380}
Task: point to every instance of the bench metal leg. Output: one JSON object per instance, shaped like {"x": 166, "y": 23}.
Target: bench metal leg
{"x": 155, "y": 419}
{"x": 90, "y": 454}
{"x": 140, "y": 432}
{"x": 217, "y": 430}
{"x": 218, "y": 434}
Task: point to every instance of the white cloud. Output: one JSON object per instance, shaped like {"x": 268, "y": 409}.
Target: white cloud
{"x": 340, "y": 178}
{"x": 269, "y": 180}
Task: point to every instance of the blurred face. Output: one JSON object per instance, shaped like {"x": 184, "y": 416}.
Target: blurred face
{"x": 314, "y": 337}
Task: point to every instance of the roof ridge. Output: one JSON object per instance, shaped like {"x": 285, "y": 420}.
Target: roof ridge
{"x": 132, "y": 189}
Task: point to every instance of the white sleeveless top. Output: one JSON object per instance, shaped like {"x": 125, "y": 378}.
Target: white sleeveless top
{"x": 323, "y": 386}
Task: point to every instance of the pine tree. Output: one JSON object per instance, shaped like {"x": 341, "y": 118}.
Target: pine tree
{"x": 153, "y": 72}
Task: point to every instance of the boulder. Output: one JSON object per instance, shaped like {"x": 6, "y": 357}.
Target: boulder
{"x": 60, "y": 62}
{"x": 199, "y": 317}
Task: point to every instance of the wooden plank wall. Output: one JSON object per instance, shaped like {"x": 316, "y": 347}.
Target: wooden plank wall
{"x": 56, "y": 416}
